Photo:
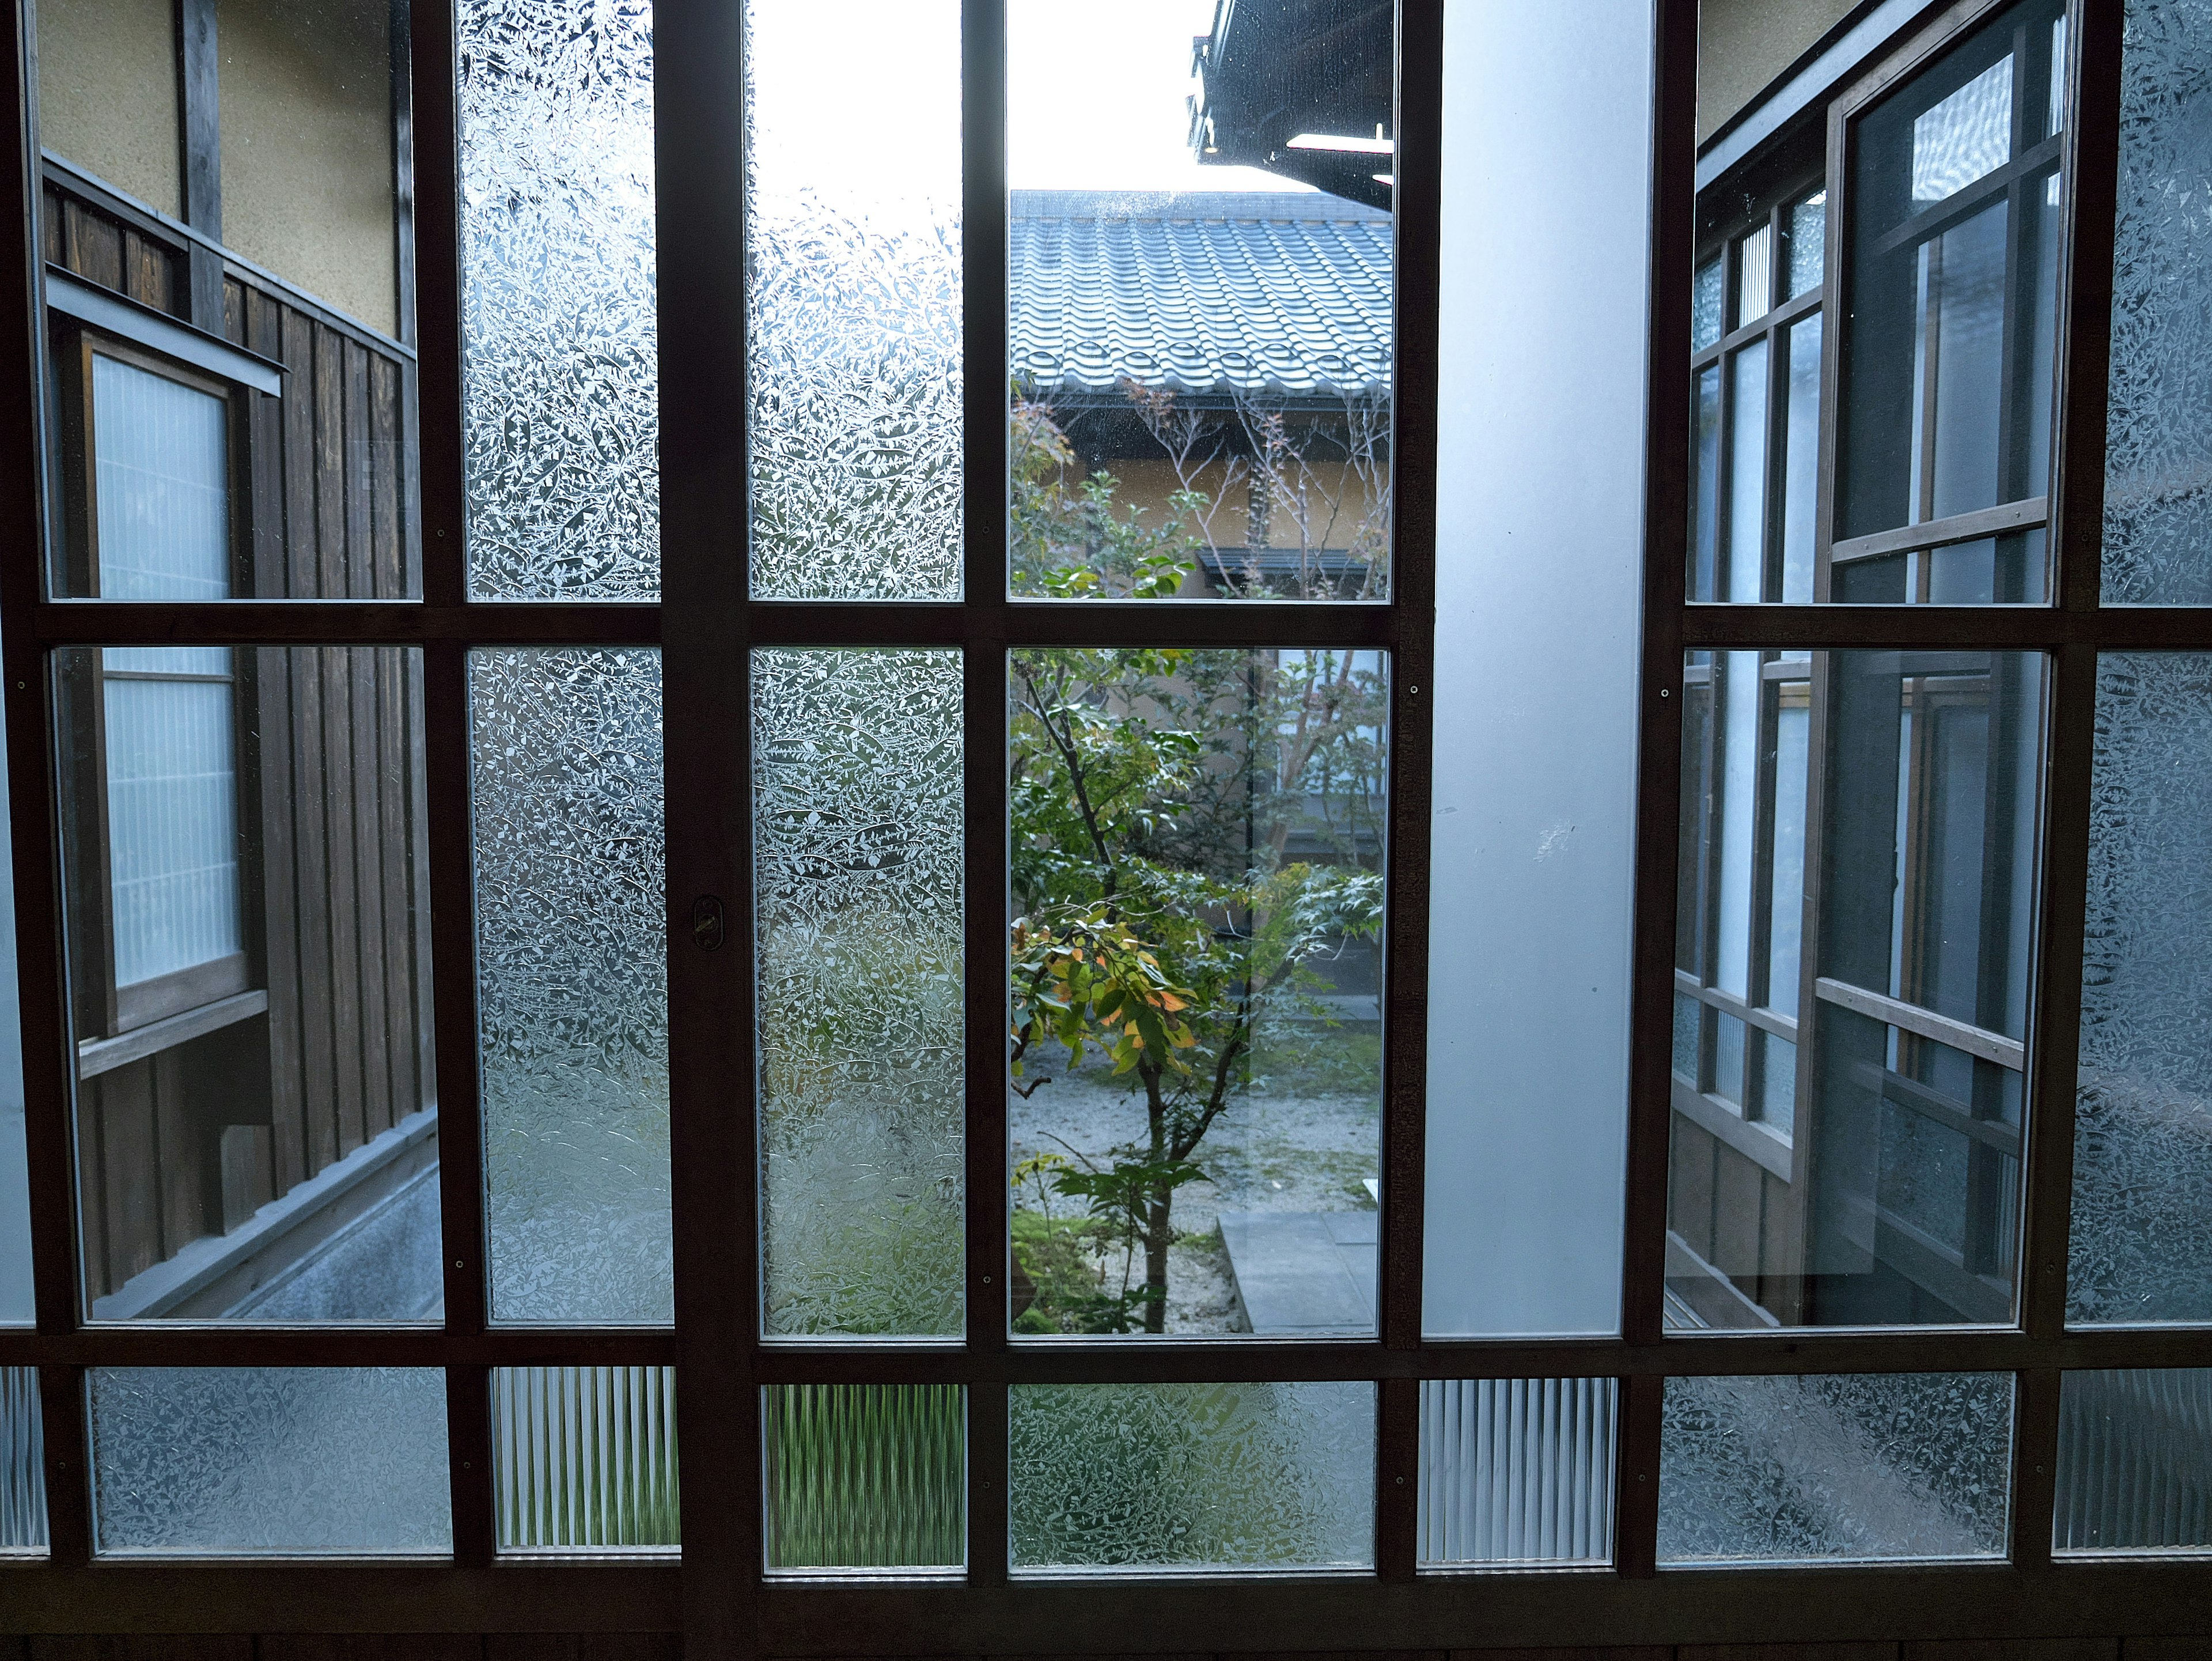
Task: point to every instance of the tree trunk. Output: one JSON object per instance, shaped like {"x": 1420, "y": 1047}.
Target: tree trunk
{"x": 1157, "y": 1235}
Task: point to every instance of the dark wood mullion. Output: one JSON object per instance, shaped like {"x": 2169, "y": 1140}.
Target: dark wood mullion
{"x": 1988, "y": 628}
{"x": 198, "y": 106}
{"x": 1785, "y": 312}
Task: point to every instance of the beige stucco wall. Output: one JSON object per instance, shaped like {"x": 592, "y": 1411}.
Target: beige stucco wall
{"x": 1743, "y": 45}
{"x": 1335, "y": 503}
{"x": 108, "y": 93}
{"x": 306, "y": 147}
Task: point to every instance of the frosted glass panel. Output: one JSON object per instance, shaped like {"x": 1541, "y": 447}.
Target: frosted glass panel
{"x": 1145, "y": 1477}
{"x": 1705, "y": 295}
{"x": 560, "y": 358}
{"x": 2141, "y": 1235}
{"x": 1517, "y": 1470}
{"x": 1847, "y": 1467}
{"x": 1808, "y": 244}
{"x": 865, "y": 1476}
{"x": 2157, "y": 516}
{"x": 1533, "y": 840}
{"x": 2135, "y": 1462}
{"x": 853, "y": 302}
{"x": 295, "y": 1462}
{"x": 584, "y": 1459}
{"x": 23, "y": 1464}
{"x": 17, "y": 1306}
{"x": 172, "y": 818}
{"x": 858, "y": 848}
{"x": 572, "y": 982}
{"x": 161, "y": 486}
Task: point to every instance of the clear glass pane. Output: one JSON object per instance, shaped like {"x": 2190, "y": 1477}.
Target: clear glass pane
{"x": 1197, "y": 1063}
{"x": 1887, "y": 1193}
{"x": 2158, "y": 526}
{"x": 584, "y": 1459}
{"x": 857, "y": 847}
{"x": 276, "y": 1461}
{"x": 2135, "y": 1462}
{"x": 853, "y": 302}
{"x": 18, "y": 1306}
{"x": 160, "y": 466}
{"x": 1808, "y": 245}
{"x": 560, "y": 352}
{"x": 1801, "y": 476}
{"x": 1517, "y": 1470}
{"x": 1705, "y": 497}
{"x": 23, "y": 1465}
{"x": 1144, "y": 1477}
{"x": 96, "y": 62}
{"x": 572, "y": 950}
{"x": 1200, "y": 324}
{"x": 1842, "y": 1468}
{"x": 2141, "y": 1245}
{"x": 246, "y": 883}
{"x": 865, "y": 1476}
{"x": 1748, "y": 473}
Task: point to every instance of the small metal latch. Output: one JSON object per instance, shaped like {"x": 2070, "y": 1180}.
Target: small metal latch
{"x": 706, "y": 921}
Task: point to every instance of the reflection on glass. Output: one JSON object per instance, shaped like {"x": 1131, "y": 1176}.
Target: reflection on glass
{"x": 560, "y": 360}
{"x": 1852, "y": 1153}
{"x": 1705, "y": 293}
{"x": 584, "y": 1459}
{"x": 1153, "y": 1476}
{"x": 1704, "y": 501}
{"x": 571, "y": 877}
{"x": 865, "y": 1476}
{"x": 18, "y": 1306}
{"x": 1800, "y": 477}
{"x": 289, "y": 1462}
{"x": 248, "y": 933}
{"x": 1845, "y": 1468}
{"x": 1747, "y": 556}
{"x": 1197, "y": 841}
{"x": 857, "y": 850}
{"x": 1200, "y": 303}
{"x": 23, "y": 1464}
{"x": 2141, "y": 1245}
{"x": 1515, "y": 1471}
{"x": 2159, "y": 428}
{"x": 853, "y": 302}
{"x": 1948, "y": 384}
{"x": 2135, "y": 1462}
{"x": 1808, "y": 244}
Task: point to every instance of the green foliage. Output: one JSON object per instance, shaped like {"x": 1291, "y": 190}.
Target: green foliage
{"x": 1069, "y": 540}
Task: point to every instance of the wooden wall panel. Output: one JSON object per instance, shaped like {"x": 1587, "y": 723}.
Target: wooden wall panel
{"x": 1736, "y": 1196}
{"x": 1690, "y": 1197}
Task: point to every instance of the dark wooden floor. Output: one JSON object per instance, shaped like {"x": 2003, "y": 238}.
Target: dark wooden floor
{"x": 664, "y": 1647}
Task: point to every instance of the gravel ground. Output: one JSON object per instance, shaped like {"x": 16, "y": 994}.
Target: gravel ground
{"x": 1263, "y": 1153}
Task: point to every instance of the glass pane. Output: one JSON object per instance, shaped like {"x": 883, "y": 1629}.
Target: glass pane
{"x": 1517, "y": 1470}
{"x": 1706, "y": 306}
{"x": 2135, "y": 1462}
{"x": 1199, "y": 325}
{"x": 161, "y": 485}
{"x": 245, "y": 891}
{"x": 560, "y": 354}
{"x": 853, "y": 302}
{"x": 572, "y": 952}
{"x": 1748, "y": 473}
{"x": 23, "y": 1465}
{"x": 2158, "y": 522}
{"x": 1844, "y": 1467}
{"x": 1801, "y": 476}
{"x": 18, "y": 1306}
{"x": 1706, "y": 498}
{"x": 584, "y": 1459}
{"x": 289, "y": 1462}
{"x": 1946, "y": 388}
{"x": 96, "y": 62}
{"x": 2142, "y": 1249}
{"x": 1144, "y": 1477}
{"x": 1197, "y": 1062}
{"x": 1754, "y": 276}
{"x": 858, "y": 848}
{"x": 865, "y": 1476}
{"x": 1533, "y": 861}
{"x": 1808, "y": 244}
{"x": 1888, "y": 1193}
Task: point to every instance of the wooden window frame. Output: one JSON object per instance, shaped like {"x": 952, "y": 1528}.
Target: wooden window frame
{"x": 719, "y": 1597}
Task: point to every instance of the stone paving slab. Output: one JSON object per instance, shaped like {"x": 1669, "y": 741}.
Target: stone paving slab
{"x": 1302, "y": 1272}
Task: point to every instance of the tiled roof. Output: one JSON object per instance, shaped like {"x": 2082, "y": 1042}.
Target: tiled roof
{"x": 1199, "y": 292}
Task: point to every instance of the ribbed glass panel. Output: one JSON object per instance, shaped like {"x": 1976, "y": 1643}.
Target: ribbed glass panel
{"x": 2135, "y": 1462}
{"x": 22, "y": 1456}
{"x": 173, "y": 816}
{"x": 1517, "y": 1470}
{"x": 865, "y": 1476}
{"x": 160, "y": 482}
{"x": 585, "y": 1458}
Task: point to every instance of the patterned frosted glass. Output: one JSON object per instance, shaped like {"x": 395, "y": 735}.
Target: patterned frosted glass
{"x": 1517, "y": 1470}
{"x": 560, "y": 359}
{"x": 2158, "y": 512}
{"x": 23, "y": 1464}
{"x": 852, "y": 300}
{"x": 572, "y": 982}
{"x": 1706, "y": 293}
{"x": 865, "y": 1476}
{"x": 160, "y": 484}
{"x": 584, "y": 1458}
{"x": 289, "y": 1462}
{"x": 173, "y": 817}
{"x": 2142, "y": 1237}
{"x": 1152, "y": 1476}
{"x": 1845, "y": 1468}
{"x": 2135, "y": 1462}
{"x": 858, "y": 851}
{"x": 1808, "y": 244}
